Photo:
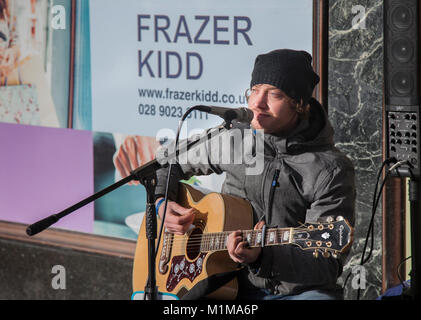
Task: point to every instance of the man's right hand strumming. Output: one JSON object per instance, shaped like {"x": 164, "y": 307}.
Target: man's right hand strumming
{"x": 177, "y": 219}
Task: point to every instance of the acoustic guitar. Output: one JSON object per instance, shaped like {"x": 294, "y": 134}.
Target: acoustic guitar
{"x": 183, "y": 261}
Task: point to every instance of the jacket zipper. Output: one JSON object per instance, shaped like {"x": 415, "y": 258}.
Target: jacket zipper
{"x": 262, "y": 188}
{"x": 274, "y": 184}
{"x": 272, "y": 191}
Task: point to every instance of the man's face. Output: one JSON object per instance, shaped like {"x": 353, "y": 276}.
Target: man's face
{"x": 273, "y": 110}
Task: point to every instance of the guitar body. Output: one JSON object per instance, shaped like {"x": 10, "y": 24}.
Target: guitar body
{"x": 180, "y": 264}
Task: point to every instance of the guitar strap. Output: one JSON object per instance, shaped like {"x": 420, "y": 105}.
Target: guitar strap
{"x": 210, "y": 284}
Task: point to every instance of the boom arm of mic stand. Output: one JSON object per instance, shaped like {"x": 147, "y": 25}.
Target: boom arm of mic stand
{"x": 43, "y": 224}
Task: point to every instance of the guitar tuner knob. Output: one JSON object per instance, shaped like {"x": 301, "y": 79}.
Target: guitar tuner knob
{"x": 339, "y": 218}
{"x": 334, "y": 255}
{"x": 329, "y": 219}
{"x": 315, "y": 254}
{"x": 326, "y": 254}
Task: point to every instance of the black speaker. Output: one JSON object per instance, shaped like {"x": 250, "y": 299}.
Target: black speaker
{"x": 401, "y": 83}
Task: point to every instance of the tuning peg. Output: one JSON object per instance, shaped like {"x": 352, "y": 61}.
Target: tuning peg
{"x": 316, "y": 253}
{"x": 335, "y": 254}
{"x": 329, "y": 219}
{"x": 339, "y": 218}
{"x": 326, "y": 254}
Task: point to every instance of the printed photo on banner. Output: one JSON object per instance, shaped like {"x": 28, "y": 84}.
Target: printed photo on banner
{"x": 25, "y": 63}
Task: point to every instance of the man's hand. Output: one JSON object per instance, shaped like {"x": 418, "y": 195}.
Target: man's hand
{"x": 239, "y": 250}
{"x": 177, "y": 219}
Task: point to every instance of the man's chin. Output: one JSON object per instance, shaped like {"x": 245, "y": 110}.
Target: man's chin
{"x": 258, "y": 126}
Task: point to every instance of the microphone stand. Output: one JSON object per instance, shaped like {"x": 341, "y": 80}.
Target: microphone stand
{"x": 146, "y": 175}
{"x": 151, "y": 290}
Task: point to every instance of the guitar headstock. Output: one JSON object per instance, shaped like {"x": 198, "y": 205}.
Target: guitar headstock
{"x": 330, "y": 238}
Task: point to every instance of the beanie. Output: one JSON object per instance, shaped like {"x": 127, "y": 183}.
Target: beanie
{"x": 288, "y": 70}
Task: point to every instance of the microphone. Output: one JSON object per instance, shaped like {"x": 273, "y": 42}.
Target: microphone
{"x": 229, "y": 114}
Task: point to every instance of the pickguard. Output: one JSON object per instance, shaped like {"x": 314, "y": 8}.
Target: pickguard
{"x": 181, "y": 268}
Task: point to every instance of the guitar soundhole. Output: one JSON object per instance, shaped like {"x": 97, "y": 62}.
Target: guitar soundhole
{"x": 193, "y": 244}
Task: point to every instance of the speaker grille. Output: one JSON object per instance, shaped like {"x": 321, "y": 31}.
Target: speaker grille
{"x": 401, "y": 52}
{"x": 402, "y": 83}
{"x": 402, "y": 15}
{"x": 401, "y": 75}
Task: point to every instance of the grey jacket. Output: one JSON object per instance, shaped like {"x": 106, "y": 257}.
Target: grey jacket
{"x": 313, "y": 180}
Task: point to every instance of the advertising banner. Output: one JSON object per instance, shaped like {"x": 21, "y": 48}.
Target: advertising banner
{"x": 152, "y": 60}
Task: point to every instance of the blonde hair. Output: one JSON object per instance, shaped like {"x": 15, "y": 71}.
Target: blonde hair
{"x": 303, "y": 109}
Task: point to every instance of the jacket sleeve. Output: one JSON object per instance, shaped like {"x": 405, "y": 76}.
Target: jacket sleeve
{"x": 198, "y": 160}
{"x": 334, "y": 196}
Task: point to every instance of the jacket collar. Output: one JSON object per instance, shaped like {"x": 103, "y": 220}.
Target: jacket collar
{"x": 313, "y": 133}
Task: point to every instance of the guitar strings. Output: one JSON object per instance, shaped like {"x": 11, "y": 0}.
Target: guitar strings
{"x": 214, "y": 247}
{"x": 210, "y": 241}
{"x": 206, "y": 240}
{"x": 200, "y": 237}
{"x": 209, "y": 244}
{"x": 209, "y": 236}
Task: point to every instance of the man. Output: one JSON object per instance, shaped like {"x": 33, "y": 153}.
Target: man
{"x": 304, "y": 179}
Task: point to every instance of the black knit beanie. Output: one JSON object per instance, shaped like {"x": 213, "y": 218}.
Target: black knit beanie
{"x": 288, "y": 70}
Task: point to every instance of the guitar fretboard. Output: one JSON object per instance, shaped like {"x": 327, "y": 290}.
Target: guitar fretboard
{"x": 255, "y": 238}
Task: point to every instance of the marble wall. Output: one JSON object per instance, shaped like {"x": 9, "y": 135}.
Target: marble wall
{"x": 355, "y": 109}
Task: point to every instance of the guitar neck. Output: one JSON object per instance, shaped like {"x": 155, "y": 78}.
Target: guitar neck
{"x": 256, "y": 238}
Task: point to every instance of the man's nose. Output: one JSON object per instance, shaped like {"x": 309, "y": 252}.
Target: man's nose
{"x": 260, "y": 101}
